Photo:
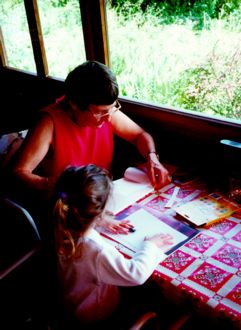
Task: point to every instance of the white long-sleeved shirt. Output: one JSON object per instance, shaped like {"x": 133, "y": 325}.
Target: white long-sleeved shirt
{"x": 91, "y": 282}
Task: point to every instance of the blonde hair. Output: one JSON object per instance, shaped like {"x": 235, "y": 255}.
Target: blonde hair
{"x": 81, "y": 196}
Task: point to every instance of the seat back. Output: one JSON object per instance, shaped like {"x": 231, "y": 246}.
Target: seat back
{"x": 20, "y": 264}
{"x": 18, "y": 235}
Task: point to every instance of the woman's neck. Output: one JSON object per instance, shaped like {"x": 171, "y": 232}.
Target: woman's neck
{"x": 77, "y": 116}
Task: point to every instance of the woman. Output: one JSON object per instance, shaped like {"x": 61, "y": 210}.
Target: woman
{"x": 78, "y": 129}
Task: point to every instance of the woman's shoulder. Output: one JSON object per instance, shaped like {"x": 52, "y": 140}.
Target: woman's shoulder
{"x": 51, "y": 108}
{"x": 42, "y": 127}
{"x": 43, "y": 120}
{"x": 56, "y": 111}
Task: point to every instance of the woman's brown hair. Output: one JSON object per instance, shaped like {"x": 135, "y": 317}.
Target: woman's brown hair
{"x": 91, "y": 82}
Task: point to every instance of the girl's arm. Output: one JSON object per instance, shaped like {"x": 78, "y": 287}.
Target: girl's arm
{"x": 113, "y": 268}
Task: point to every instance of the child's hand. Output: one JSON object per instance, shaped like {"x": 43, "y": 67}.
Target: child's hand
{"x": 161, "y": 240}
{"x": 114, "y": 226}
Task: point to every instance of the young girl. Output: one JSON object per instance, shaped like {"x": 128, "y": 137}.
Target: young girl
{"x": 90, "y": 269}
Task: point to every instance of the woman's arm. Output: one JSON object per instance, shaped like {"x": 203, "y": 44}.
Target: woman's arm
{"x": 34, "y": 149}
{"x": 127, "y": 129}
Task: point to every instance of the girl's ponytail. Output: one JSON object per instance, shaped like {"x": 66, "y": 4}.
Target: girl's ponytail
{"x": 64, "y": 240}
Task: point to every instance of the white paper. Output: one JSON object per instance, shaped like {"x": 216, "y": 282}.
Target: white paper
{"x": 146, "y": 225}
{"x": 173, "y": 197}
{"x": 136, "y": 175}
{"x": 125, "y": 193}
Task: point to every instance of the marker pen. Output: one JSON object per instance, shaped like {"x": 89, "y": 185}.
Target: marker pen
{"x": 132, "y": 230}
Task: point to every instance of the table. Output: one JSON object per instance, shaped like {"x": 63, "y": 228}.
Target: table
{"x": 207, "y": 268}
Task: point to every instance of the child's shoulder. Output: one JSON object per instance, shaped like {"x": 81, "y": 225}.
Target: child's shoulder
{"x": 96, "y": 242}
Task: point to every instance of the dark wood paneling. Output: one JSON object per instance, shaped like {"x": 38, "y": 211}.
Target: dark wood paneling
{"x": 23, "y": 94}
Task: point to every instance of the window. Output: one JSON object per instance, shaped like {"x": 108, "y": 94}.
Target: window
{"x": 63, "y": 35}
{"x": 176, "y": 56}
{"x": 16, "y": 36}
{"x": 183, "y": 55}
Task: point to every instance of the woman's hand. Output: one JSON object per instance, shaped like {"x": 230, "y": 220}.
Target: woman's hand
{"x": 114, "y": 226}
{"x": 157, "y": 173}
{"x": 162, "y": 241}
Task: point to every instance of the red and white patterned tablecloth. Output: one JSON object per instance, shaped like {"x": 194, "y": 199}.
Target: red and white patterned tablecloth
{"x": 209, "y": 266}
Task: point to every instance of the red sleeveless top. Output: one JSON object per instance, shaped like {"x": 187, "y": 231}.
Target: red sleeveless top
{"x": 75, "y": 145}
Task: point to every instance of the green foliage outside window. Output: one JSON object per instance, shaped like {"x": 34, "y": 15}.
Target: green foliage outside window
{"x": 183, "y": 54}
{"x": 214, "y": 87}
{"x": 188, "y": 55}
{"x": 169, "y": 11}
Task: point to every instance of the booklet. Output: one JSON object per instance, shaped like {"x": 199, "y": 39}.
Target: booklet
{"x": 207, "y": 209}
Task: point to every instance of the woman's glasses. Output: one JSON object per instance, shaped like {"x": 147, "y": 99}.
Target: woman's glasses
{"x": 100, "y": 114}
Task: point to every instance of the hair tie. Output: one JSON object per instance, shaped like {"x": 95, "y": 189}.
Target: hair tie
{"x": 63, "y": 195}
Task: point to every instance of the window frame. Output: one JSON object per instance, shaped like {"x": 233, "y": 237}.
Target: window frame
{"x": 35, "y": 30}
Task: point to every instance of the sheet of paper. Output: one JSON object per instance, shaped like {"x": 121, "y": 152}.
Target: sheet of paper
{"x": 135, "y": 174}
{"x": 172, "y": 200}
{"x": 126, "y": 193}
{"x": 146, "y": 224}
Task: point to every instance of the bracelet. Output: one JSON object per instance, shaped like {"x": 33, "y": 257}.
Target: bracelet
{"x": 151, "y": 152}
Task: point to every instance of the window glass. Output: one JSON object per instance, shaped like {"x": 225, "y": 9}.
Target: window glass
{"x": 16, "y": 36}
{"x": 181, "y": 54}
{"x": 63, "y": 35}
